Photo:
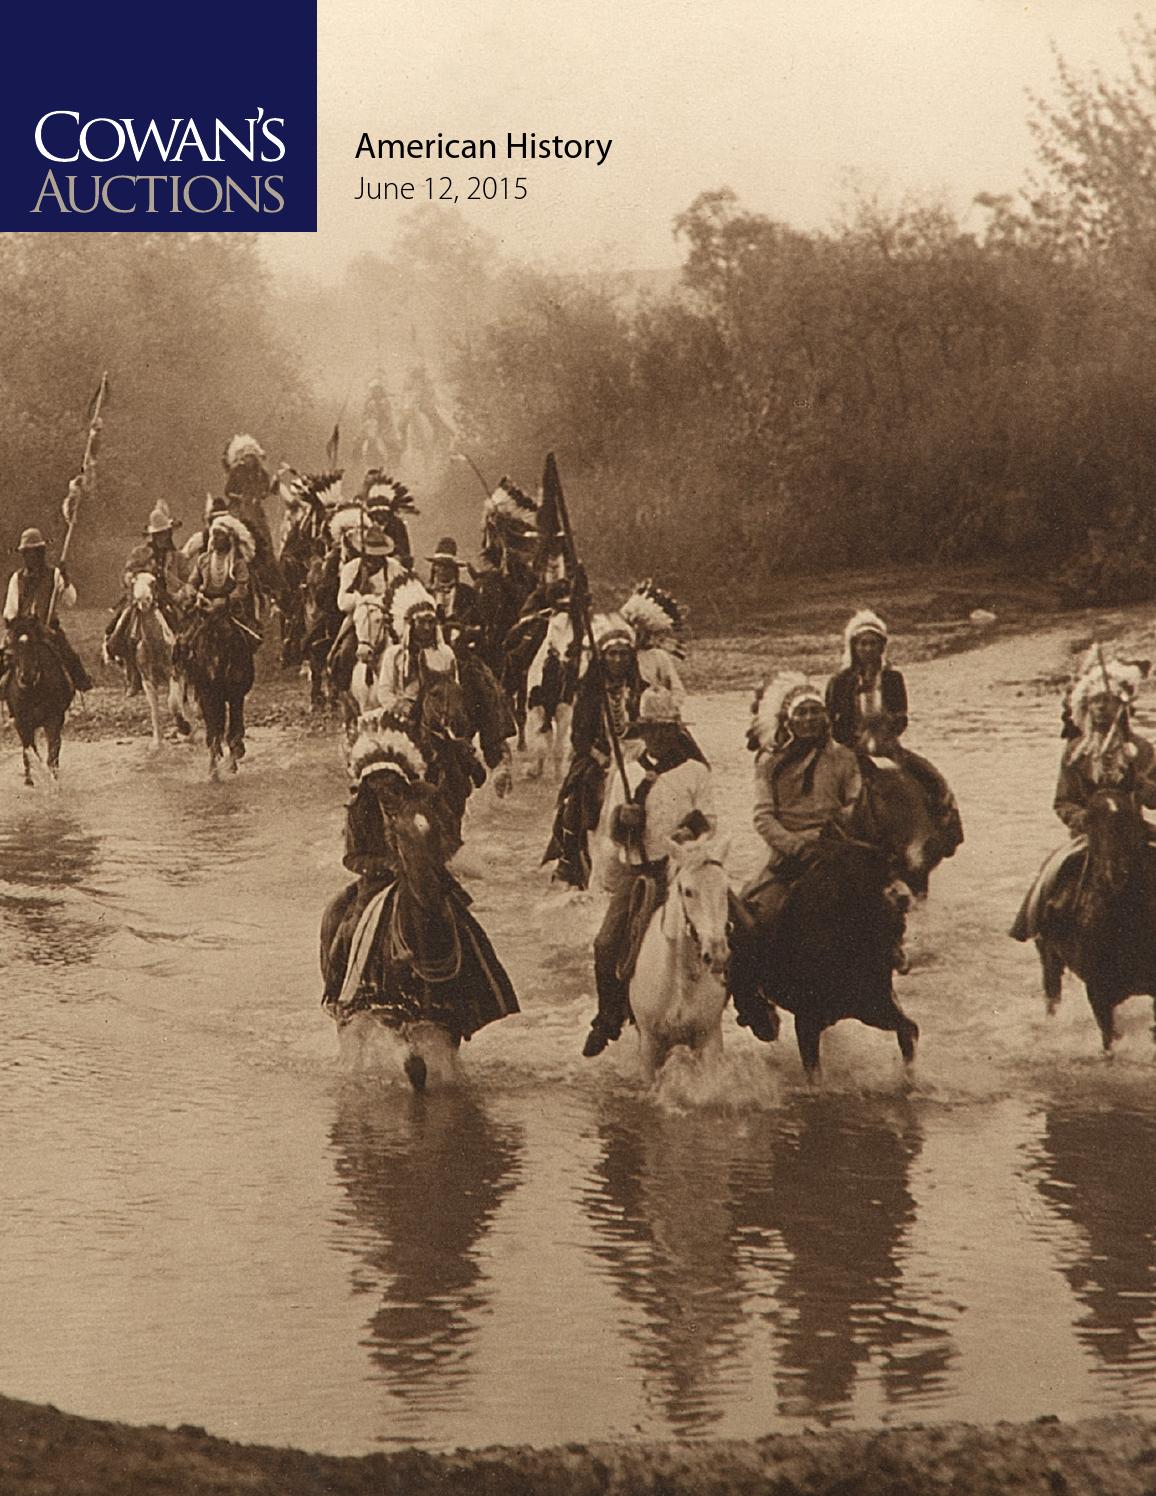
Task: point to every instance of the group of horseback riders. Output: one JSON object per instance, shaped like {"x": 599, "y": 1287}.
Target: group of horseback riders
{"x": 514, "y": 632}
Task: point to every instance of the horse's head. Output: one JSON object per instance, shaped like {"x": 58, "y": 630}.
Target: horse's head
{"x": 26, "y": 646}
{"x": 699, "y": 891}
{"x": 877, "y": 737}
{"x": 1117, "y": 839}
{"x": 370, "y": 626}
{"x": 144, "y": 591}
{"x": 443, "y": 707}
{"x": 891, "y": 813}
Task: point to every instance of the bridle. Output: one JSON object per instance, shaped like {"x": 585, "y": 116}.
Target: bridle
{"x": 689, "y": 927}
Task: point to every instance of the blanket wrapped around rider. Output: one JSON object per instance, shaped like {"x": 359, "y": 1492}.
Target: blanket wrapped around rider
{"x": 401, "y": 941}
{"x": 1106, "y": 754}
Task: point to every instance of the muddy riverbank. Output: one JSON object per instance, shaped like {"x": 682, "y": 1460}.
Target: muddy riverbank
{"x": 44, "y": 1452}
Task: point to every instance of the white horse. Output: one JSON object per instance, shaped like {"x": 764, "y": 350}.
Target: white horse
{"x": 371, "y": 625}
{"x": 150, "y": 640}
{"x": 548, "y": 736}
{"x": 677, "y": 991}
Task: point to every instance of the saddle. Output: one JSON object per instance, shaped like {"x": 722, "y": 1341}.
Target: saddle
{"x": 648, "y": 895}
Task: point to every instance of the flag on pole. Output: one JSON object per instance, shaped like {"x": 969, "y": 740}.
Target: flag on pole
{"x": 332, "y": 445}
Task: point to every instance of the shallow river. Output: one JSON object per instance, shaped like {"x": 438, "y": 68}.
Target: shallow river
{"x": 209, "y": 1221}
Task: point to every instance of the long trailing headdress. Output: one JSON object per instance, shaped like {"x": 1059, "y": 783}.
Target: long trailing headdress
{"x": 654, "y": 615}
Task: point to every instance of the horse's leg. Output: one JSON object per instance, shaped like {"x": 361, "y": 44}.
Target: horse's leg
{"x": 537, "y": 735}
{"x": 236, "y": 706}
{"x": 1052, "y": 966}
{"x": 150, "y": 691}
{"x": 1104, "y": 1012}
{"x": 27, "y": 749}
{"x": 178, "y": 706}
{"x": 648, "y": 1055}
{"x": 562, "y": 738}
{"x": 808, "y": 1031}
{"x": 53, "y": 732}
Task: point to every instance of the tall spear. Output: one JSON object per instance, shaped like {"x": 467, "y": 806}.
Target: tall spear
{"x": 84, "y": 484}
{"x": 552, "y": 495}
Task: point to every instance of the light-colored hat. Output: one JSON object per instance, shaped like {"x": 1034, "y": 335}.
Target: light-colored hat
{"x": 160, "y": 520}
{"x": 610, "y": 629}
{"x": 31, "y": 540}
{"x": 658, "y": 707}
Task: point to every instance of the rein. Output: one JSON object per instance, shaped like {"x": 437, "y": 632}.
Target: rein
{"x": 688, "y": 924}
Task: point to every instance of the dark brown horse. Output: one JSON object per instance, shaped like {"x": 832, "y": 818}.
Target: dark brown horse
{"x": 37, "y": 692}
{"x": 832, "y": 950}
{"x": 877, "y": 739}
{"x": 215, "y": 656}
{"x": 1102, "y": 922}
{"x": 445, "y": 731}
{"x": 400, "y": 949}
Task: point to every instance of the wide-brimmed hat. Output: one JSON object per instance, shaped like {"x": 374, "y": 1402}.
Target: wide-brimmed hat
{"x": 377, "y": 542}
{"x": 658, "y": 707}
{"x": 446, "y": 550}
{"x": 160, "y": 520}
{"x": 32, "y": 540}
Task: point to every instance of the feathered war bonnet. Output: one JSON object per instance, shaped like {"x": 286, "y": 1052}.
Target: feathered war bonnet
{"x": 772, "y": 706}
{"x": 385, "y": 744}
{"x": 242, "y": 540}
{"x": 1099, "y": 677}
{"x": 509, "y": 517}
{"x": 348, "y": 526}
{"x": 380, "y": 491}
{"x": 865, "y": 621}
{"x": 324, "y": 489}
{"x": 404, "y": 600}
{"x": 240, "y": 448}
{"x": 654, "y": 615}
{"x": 611, "y": 628}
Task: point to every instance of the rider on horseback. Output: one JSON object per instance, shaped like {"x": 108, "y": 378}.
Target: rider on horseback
{"x": 670, "y": 799}
{"x": 419, "y": 649}
{"x": 35, "y": 591}
{"x": 1106, "y": 754}
{"x": 866, "y": 687}
{"x": 369, "y": 572}
{"x": 805, "y": 782}
{"x": 456, "y": 600}
{"x": 220, "y": 584}
{"x": 867, "y": 704}
{"x": 159, "y": 556}
{"x": 611, "y": 687}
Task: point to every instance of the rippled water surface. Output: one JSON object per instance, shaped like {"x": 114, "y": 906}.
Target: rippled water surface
{"x": 211, "y": 1219}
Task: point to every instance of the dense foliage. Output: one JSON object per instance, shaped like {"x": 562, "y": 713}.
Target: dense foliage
{"x": 898, "y": 389}
{"x": 180, "y": 323}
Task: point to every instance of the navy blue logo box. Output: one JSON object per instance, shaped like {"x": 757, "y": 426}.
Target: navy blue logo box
{"x": 127, "y": 116}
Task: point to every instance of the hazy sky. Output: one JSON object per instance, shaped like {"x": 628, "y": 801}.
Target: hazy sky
{"x": 782, "y": 100}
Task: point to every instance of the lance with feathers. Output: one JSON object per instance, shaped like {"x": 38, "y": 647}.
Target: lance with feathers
{"x": 83, "y": 484}
{"x": 553, "y": 498}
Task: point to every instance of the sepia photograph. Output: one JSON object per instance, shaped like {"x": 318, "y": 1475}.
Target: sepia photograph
{"x": 578, "y": 751}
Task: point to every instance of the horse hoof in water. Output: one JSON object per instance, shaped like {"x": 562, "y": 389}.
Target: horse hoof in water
{"x": 416, "y": 1071}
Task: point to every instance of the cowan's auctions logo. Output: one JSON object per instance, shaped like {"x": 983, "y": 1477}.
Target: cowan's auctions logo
{"x": 62, "y": 136}
{"x": 215, "y": 128}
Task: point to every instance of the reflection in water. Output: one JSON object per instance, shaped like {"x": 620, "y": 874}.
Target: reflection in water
{"x": 1096, "y": 1173}
{"x": 831, "y": 1185}
{"x": 44, "y": 849}
{"x": 424, "y": 1176}
{"x": 660, "y": 1205}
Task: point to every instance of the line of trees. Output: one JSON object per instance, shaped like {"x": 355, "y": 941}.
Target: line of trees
{"x": 896, "y": 389}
